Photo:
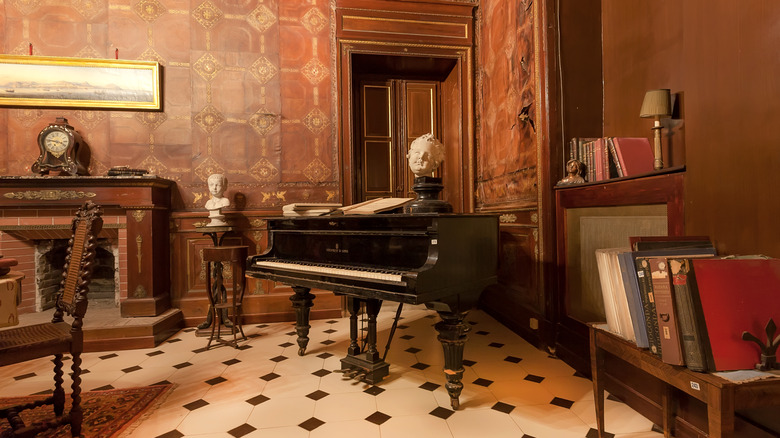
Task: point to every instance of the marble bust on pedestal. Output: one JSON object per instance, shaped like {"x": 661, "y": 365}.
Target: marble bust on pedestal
{"x": 217, "y": 184}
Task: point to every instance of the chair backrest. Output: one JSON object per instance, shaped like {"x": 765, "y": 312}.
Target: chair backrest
{"x": 72, "y": 295}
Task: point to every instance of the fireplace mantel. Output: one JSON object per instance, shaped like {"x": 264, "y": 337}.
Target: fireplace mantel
{"x": 143, "y": 203}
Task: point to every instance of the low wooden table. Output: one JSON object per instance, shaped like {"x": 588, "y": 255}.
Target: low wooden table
{"x": 723, "y": 397}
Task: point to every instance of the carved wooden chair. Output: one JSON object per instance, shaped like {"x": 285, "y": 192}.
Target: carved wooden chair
{"x": 58, "y": 337}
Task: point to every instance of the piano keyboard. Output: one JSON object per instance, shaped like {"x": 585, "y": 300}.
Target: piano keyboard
{"x": 330, "y": 270}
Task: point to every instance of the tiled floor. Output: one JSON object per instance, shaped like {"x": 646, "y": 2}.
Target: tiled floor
{"x": 264, "y": 389}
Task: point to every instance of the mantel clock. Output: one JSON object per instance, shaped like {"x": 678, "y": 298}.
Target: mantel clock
{"x": 60, "y": 147}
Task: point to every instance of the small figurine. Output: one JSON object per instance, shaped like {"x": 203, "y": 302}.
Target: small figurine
{"x": 217, "y": 185}
{"x": 574, "y": 173}
{"x": 425, "y": 155}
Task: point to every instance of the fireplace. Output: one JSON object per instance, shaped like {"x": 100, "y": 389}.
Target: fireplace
{"x": 50, "y": 263}
{"x": 136, "y": 211}
{"x": 41, "y": 249}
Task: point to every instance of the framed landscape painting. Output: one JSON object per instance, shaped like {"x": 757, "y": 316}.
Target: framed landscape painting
{"x": 43, "y": 81}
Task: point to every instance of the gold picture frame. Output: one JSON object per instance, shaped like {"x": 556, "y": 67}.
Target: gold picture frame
{"x": 45, "y": 81}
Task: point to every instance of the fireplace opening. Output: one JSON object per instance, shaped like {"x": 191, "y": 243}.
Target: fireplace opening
{"x": 50, "y": 264}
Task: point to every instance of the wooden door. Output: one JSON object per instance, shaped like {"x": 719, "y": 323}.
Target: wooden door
{"x": 390, "y": 114}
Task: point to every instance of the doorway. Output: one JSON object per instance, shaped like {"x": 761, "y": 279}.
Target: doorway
{"x": 390, "y": 113}
{"x": 390, "y": 95}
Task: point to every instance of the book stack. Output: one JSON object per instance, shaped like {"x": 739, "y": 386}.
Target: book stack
{"x": 612, "y": 157}
{"x": 676, "y": 297}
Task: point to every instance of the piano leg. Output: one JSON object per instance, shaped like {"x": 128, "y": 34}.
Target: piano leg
{"x": 452, "y": 335}
{"x": 302, "y": 302}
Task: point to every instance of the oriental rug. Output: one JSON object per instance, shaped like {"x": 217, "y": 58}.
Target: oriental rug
{"x": 106, "y": 413}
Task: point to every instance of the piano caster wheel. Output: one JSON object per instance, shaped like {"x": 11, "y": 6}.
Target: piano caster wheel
{"x": 301, "y": 351}
{"x": 455, "y": 403}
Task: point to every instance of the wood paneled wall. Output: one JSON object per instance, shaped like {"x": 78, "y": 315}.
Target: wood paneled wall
{"x": 718, "y": 60}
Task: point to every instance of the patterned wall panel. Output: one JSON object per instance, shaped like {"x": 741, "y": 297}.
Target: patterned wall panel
{"x": 507, "y": 152}
{"x": 248, "y": 91}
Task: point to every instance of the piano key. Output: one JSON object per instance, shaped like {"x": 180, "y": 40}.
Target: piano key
{"x": 330, "y": 270}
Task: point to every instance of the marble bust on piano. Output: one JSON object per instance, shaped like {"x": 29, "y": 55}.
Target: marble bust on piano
{"x": 425, "y": 155}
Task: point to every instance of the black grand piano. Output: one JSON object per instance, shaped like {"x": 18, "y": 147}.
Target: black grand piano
{"x": 441, "y": 260}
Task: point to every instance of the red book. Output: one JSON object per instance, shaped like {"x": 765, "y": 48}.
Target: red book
{"x": 737, "y": 295}
{"x": 635, "y": 155}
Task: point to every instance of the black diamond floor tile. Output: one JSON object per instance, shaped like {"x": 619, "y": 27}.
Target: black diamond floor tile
{"x": 481, "y": 333}
{"x": 108, "y": 356}
{"x": 378, "y": 418}
{"x": 429, "y": 386}
{"x": 24, "y": 376}
{"x": 420, "y": 366}
{"x": 412, "y": 350}
{"x": 374, "y": 390}
{"x": 131, "y": 369}
{"x": 242, "y": 430}
{"x": 321, "y": 373}
{"x": 442, "y": 413}
{"x": 469, "y": 363}
{"x": 216, "y": 380}
{"x": 103, "y": 388}
{"x": 171, "y": 434}
{"x": 231, "y": 362}
{"x": 562, "y": 402}
{"x": 196, "y": 404}
{"x": 513, "y": 359}
{"x": 534, "y": 378}
{"x": 155, "y": 353}
{"x": 311, "y": 424}
{"x": 270, "y": 376}
{"x": 325, "y": 355}
{"x": 278, "y": 358}
{"x": 503, "y": 407}
{"x": 328, "y": 342}
{"x": 593, "y": 433}
{"x": 495, "y": 345}
{"x": 256, "y": 400}
{"x": 483, "y": 382}
{"x": 182, "y": 365}
{"x": 317, "y": 395}
{"x": 286, "y": 344}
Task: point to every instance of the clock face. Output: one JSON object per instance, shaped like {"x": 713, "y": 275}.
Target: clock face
{"x": 56, "y": 142}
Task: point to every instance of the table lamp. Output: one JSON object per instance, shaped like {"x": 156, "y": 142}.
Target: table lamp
{"x": 657, "y": 104}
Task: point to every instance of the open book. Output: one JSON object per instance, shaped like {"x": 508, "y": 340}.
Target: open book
{"x": 371, "y": 206}
{"x": 377, "y": 205}
{"x": 308, "y": 209}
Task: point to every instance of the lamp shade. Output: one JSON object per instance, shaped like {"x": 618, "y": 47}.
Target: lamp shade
{"x": 657, "y": 103}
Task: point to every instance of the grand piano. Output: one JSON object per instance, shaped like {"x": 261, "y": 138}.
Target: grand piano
{"x": 441, "y": 260}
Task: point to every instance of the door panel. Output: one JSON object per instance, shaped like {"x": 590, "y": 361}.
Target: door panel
{"x": 393, "y": 112}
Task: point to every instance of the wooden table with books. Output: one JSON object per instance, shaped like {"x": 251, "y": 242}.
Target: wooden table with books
{"x": 722, "y": 397}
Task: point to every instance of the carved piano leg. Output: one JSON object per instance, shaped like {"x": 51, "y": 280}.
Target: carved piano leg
{"x": 452, "y": 335}
{"x": 302, "y": 302}
{"x": 367, "y": 366}
{"x": 353, "y": 305}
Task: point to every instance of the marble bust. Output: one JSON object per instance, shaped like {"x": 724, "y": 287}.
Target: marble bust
{"x": 217, "y": 184}
{"x": 425, "y": 155}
